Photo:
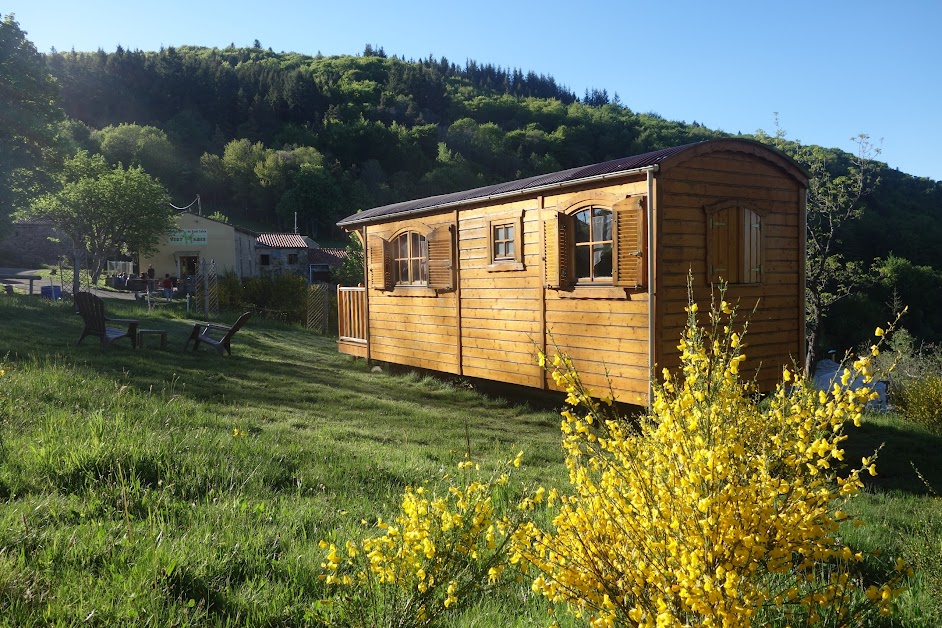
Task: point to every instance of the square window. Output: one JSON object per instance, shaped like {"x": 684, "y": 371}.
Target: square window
{"x": 265, "y": 260}
{"x": 504, "y": 244}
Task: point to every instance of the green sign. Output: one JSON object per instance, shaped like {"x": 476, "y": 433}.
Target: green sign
{"x": 189, "y": 237}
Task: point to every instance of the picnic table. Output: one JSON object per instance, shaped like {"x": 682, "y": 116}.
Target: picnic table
{"x": 18, "y": 278}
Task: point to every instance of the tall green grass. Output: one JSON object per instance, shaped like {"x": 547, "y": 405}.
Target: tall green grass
{"x": 164, "y": 488}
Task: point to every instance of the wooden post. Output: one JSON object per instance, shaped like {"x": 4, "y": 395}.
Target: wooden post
{"x": 543, "y": 281}
{"x": 457, "y": 270}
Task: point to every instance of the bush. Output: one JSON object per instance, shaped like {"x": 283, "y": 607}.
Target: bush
{"x": 439, "y": 553}
{"x": 712, "y": 509}
{"x": 278, "y": 297}
{"x": 916, "y": 384}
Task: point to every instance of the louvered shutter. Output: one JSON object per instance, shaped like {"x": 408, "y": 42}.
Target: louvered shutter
{"x": 752, "y": 246}
{"x": 441, "y": 271}
{"x": 557, "y": 242}
{"x": 721, "y": 263}
{"x": 380, "y": 263}
{"x": 630, "y": 237}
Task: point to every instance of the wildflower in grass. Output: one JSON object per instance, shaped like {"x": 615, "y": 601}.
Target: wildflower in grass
{"x": 713, "y": 509}
{"x": 439, "y": 552}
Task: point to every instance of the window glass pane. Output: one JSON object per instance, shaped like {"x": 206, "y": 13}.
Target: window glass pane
{"x": 583, "y": 262}
{"x": 403, "y": 271}
{"x": 423, "y": 271}
{"x": 509, "y": 232}
{"x": 581, "y": 223}
{"x": 416, "y": 247}
{"x": 404, "y": 245}
{"x": 601, "y": 225}
{"x": 499, "y": 249}
{"x": 601, "y": 260}
{"x": 510, "y": 248}
{"x": 416, "y": 272}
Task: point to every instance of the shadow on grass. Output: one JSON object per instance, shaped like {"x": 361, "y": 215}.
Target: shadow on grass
{"x": 904, "y": 447}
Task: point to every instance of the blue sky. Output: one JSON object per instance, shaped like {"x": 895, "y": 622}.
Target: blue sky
{"x": 831, "y": 69}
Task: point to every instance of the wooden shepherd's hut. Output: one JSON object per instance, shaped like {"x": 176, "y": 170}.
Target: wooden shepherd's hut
{"x": 593, "y": 261}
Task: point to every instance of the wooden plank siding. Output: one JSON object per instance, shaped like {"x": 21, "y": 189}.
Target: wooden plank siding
{"x": 413, "y": 326}
{"x": 606, "y": 335}
{"x": 683, "y": 194}
{"x": 500, "y": 302}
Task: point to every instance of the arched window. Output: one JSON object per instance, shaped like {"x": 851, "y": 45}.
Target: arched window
{"x": 410, "y": 260}
{"x": 592, "y": 237}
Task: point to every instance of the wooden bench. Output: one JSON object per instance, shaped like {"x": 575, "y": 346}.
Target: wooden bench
{"x": 142, "y": 332}
{"x": 29, "y": 278}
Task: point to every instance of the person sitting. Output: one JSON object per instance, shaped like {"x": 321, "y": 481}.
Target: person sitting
{"x": 167, "y": 285}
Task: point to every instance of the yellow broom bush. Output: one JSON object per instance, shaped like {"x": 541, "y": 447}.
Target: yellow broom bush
{"x": 713, "y": 509}
{"x": 439, "y": 553}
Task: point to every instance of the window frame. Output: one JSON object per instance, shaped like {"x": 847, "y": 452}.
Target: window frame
{"x": 410, "y": 235}
{"x": 506, "y": 262}
{"x": 590, "y": 244}
{"x": 264, "y": 259}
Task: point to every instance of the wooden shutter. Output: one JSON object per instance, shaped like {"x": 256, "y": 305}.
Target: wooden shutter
{"x": 720, "y": 263}
{"x": 440, "y": 259}
{"x": 752, "y": 246}
{"x": 380, "y": 263}
{"x": 630, "y": 239}
{"x": 557, "y": 254}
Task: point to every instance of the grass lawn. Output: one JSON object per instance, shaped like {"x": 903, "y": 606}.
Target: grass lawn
{"x": 162, "y": 488}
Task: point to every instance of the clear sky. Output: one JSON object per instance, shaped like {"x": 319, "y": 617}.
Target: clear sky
{"x": 832, "y": 69}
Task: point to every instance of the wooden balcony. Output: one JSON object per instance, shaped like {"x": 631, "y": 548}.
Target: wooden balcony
{"x": 351, "y": 320}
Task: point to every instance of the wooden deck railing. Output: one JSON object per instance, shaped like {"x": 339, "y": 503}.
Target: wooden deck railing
{"x": 351, "y": 313}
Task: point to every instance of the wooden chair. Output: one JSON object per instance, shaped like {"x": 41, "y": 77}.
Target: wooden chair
{"x": 92, "y": 310}
{"x": 201, "y": 332}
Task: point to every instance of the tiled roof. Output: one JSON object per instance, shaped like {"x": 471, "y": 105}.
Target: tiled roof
{"x": 33, "y": 220}
{"x": 330, "y": 256}
{"x": 520, "y": 186}
{"x": 281, "y": 241}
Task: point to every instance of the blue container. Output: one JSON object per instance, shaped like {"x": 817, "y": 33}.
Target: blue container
{"x": 51, "y": 292}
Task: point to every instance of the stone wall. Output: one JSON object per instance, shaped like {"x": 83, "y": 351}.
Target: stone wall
{"x": 31, "y": 245}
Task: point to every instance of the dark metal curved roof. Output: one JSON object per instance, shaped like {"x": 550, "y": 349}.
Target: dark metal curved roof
{"x": 521, "y": 186}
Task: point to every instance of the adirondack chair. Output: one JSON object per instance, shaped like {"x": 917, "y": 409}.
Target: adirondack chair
{"x": 202, "y": 330}
{"x": 92, "y": 310}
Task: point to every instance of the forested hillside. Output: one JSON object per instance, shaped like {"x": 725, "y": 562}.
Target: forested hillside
{"x": 262, "y": 136}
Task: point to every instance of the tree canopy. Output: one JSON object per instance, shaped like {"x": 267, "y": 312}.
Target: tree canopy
{"x": 28, "y": 117}
{"x": 107, "y": 211}
{"x": 262, "y": 136}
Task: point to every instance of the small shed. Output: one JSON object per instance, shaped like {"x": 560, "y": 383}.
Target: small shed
{"x": 591, "y": 261}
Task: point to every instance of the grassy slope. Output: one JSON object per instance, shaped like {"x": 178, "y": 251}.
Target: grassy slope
{"x": 126, "y": 497}
{"x": 126, "y": 493}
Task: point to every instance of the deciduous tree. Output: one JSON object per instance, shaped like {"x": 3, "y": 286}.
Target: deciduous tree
{"x": 837, "y": 184}
{"x": 107, "y": 210}
{"x": 27, "y": 118}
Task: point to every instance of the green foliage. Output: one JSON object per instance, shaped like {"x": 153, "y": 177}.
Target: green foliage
{"x": 278, "y": 297}
{"x": 28, "y": 118}
{"x": 916, "y": 383}
{"x": 107, "y": 211}
{"x": 919, "y": 399}
{"x": 350, "y": 272}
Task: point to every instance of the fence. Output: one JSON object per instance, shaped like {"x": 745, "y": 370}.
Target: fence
{"x": 351, "y": 313}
